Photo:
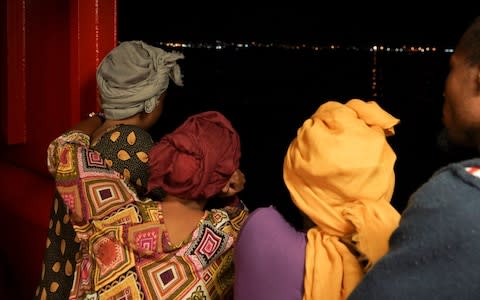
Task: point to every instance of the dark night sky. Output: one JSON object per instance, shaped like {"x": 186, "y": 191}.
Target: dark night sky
{"x": 237, "y": 21}
{"x": 231, "y": 21}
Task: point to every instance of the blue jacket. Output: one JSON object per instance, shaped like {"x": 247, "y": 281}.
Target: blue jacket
{"x": 435, "y": 252}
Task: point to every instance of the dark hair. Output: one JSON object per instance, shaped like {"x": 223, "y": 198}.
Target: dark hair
{"x": 289, "y": 211}
{"x": 469, "y": 44}
{"x": 156, "y": 194}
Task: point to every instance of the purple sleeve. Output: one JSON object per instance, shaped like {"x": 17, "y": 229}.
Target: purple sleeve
{"x": 269, "y": 258}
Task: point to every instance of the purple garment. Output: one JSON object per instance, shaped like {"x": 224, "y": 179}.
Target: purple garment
{"x": 269, "y": 258}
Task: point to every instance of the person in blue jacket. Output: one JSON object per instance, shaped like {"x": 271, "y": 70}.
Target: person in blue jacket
{"x": 435, "y": 251}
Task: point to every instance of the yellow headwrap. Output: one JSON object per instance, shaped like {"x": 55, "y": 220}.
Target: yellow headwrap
{"x": 340, "y": 173}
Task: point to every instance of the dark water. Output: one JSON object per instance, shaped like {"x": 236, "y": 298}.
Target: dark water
{"x": 268, "y": 93}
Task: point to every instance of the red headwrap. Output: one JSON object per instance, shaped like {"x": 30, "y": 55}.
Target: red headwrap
{"x": 197, "y": 159}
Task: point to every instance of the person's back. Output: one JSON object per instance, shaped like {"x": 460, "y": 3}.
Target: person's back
{"x": 434, "y": 253}
{"x": 274, "y": 267}
{"x": 132, "y": 245}
{"x": 132, "y": 81}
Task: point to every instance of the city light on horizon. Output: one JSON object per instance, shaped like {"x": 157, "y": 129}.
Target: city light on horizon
{"x": 220, "y": 45}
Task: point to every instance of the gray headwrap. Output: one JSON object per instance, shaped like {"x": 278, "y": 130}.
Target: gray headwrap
{"x": 132, "y": 77}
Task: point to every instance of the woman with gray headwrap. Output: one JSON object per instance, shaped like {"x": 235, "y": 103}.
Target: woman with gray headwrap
{"x": 132, "y": 80}
{"x": 132, "y": 77}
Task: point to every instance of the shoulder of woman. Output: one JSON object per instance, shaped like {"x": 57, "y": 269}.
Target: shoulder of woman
{"x": 267, "y": 224}
{"x": 67, "y": 139}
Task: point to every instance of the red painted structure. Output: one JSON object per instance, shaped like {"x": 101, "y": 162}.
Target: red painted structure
{"x": 49, "y": 50}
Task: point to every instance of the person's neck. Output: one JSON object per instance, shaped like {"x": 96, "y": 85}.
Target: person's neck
{"x": 133, "y": 120}
{"x": 181, "y": 217}
{"x": 181, "y": 204}
{"x": 109, "y": 124}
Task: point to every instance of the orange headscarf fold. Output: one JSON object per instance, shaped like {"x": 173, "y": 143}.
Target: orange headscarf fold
{"x": 340, "y": 173}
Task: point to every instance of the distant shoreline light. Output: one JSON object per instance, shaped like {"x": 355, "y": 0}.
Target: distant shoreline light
{"x": 219, "y": 45}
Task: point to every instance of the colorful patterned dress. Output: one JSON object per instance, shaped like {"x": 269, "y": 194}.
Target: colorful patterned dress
{"x": 125, "y": 251}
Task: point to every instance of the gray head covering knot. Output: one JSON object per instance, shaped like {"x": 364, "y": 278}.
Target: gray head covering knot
{"x": 132, "y": 77}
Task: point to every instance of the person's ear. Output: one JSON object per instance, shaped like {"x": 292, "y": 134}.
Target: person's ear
{"x": 147, "y": 120}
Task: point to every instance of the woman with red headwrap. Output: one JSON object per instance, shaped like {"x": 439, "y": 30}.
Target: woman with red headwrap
{"x": 158, "y": 247}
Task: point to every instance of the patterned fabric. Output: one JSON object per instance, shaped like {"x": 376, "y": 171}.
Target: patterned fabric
{"x": 125, "y": 252}
{"x": 475, "y": 171}
{"x": 125, "y": 149}
{"x": 59, "y": 257}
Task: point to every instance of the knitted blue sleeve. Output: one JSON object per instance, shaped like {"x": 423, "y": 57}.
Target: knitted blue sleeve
{"x": 435, "y": 252}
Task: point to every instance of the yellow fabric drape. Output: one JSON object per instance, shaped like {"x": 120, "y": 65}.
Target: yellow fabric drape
{"x": 339, "y": 171}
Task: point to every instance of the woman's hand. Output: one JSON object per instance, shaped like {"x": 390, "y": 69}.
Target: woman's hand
{"x": 234, "y": 185}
